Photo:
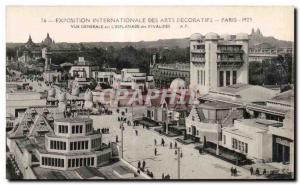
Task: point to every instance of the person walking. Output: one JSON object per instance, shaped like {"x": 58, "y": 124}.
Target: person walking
{"x": 144, "y": 164}
{"x": 181, "y": 155}
{"x": 170, "y": 145}
{"x": 231, "y": 170}
{"x": 136, "y": 132}
{"x": 257, "y": 171}
{"x": 176, "y": 145}
{"x": 235, "y": 172}
{"x": 175, "y": 152}
{"x": 117, "y": 139}
{"x": 162, "y": 142}
{"x": 251, "y": 170}
{"x": 155, "y": 151}
{"x": 139, "y": 164}
{"x": 155, "y": 142}
{"x": 265, "y": 172}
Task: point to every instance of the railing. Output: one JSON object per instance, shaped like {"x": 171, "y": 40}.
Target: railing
{"x": 198, "y": 50}
{"x": 193, "y": 59}
{"x": 229, "y": 51}
{"x": 229, "y": 60}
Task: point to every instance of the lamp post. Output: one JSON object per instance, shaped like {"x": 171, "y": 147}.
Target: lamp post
{"x": 122, "y": 120}
{"x": 178, "y": 160}
{"x": 218, "y": 128}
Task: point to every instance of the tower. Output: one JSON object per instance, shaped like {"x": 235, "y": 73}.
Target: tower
{"x": 217, "y": 61}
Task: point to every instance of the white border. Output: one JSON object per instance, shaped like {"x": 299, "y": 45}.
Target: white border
{"x": 4, "y": 3}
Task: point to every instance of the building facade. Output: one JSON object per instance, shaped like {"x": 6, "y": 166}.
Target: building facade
{"x": 217, "y": 61}
{"x": 164, "y": 74}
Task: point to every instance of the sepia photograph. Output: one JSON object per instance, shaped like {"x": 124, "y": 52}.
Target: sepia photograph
{"x": 150, "y": 93}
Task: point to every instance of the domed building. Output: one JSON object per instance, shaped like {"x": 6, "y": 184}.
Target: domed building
{"x": 178, "y": 84}
{"x": 48, "y": 41}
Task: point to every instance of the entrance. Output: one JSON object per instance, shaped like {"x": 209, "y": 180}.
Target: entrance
{"x": 281, "y": 149}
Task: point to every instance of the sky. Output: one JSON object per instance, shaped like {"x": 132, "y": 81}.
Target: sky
{"x": 22, "y": 21}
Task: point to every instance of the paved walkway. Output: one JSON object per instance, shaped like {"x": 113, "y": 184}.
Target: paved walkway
{"x": 141, "y": 147}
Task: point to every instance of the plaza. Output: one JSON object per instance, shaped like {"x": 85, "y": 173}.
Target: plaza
{"x": 141, "y": 148}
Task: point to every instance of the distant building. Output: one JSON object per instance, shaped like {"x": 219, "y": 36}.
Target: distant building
{"x": 265, "y": 51}
{"x": 49, "y": 74}
{"x": 164, "y": 74}
{"x": 217, "y": 61}
{"x": 133, "y": 79}
{"x": 18, "y": 101}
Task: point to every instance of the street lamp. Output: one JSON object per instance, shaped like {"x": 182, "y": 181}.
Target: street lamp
{"x": 122, "y": 120}
{"x": 178, "y": 160}
{"x": 218, "y": 128}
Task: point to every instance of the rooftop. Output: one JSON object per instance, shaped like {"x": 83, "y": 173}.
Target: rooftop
{"x": 74, "y": 120}
{"x": 284, "y": 97}
{"x": 217, "y": 105}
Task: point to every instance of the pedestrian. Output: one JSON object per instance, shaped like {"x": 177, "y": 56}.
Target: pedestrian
{"x": 175, "y": 152}
{"x": 139, "y": 164}
{"x": 175, "y": 145}
{"x": 231, "y": 170}
{"x": 117, "y": 140}
{"x": 163, "y": 176}
{"x": 144, "y": 164}
{"x": 151, "y": 174}
{"x": 162, "y": 142}
{"x": 181, "y": 155}
{"x": 155, "y": 142}
{"x": 155, "y": 151}
{"x": 235, "y": 172}
{"x": 265, "y": 172}
{"x": 170, "y": 145}
{"x": 136, "y": 132}
{"x": 257, "y": 171}
{"x": 251, "y": 170}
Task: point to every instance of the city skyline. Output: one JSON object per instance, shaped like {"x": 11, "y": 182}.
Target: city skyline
{"x": 29, "y": 18}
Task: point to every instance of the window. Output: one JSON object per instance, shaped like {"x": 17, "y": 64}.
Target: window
{"x": 198, "y": 77}
{"x": 221, "y": 78}
{"x": 80, "y": 128}
{"x": 69, "y": 163}
{"x": 203, "y": 77}
{"x": 233, "y": 77}
{"x": 227, "y": 78}
{"x": 51, "y": 144}
{"x": 86, "y": 144}
{"x": 73, "y": 129}
{"x": 92, "y": 161}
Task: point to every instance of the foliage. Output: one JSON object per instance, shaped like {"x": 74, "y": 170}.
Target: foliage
{"x": 276, "y": 71}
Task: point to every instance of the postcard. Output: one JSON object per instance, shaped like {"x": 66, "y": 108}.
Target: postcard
{"x": 147, "y": 93}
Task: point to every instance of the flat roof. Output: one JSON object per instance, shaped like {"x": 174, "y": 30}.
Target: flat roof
{"x": 74, "y": 120}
